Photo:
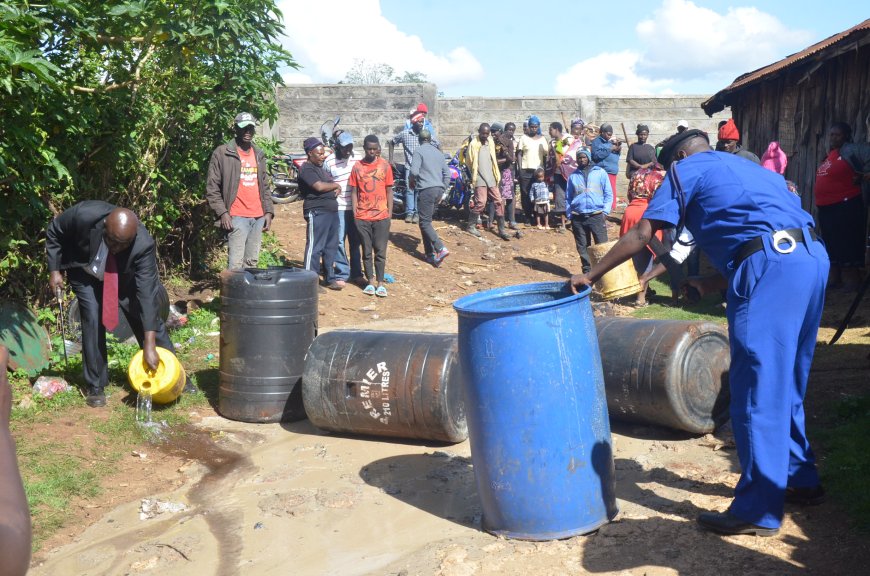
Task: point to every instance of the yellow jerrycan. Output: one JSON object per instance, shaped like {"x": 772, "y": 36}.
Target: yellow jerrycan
{"x": 165, "y": 383}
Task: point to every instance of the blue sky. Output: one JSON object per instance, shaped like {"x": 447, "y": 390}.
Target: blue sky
{"x": 624, "y": 47}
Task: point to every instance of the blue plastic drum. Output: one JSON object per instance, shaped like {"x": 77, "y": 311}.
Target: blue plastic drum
{"x": 536, "y": 411}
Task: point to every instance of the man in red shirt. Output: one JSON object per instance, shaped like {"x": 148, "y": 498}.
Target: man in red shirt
{"x": 371, "y": 192}
{"x": 238, "y": 194}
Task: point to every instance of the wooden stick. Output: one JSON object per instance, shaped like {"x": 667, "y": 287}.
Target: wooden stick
{"x": 474, "y": 263}
{"x": 624, "y": 133}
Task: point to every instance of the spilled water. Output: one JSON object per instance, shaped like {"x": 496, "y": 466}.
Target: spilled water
{"x": 154, "y": 431}
{"x": 143, "y": 407}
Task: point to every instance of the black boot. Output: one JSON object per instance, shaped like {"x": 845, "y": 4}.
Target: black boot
{"x": 501, "y": 233}
{"x": 471, "y": 224}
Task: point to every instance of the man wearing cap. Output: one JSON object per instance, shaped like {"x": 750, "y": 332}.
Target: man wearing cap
{"x": 320, "y": 210}
{"x": 682, "y": 125}
{"x": 728, "y": 141}
{"x": 409, "y": 138}
{"x": 421, "y": 108}
{"x": 237, "y": 193}
{"x": 763, "y": 244}
{"x": 339, "y": 164}
{"x": 111, "y": 264}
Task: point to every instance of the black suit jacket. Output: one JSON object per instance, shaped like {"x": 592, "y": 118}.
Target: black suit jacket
{"x": 73, "y": 238}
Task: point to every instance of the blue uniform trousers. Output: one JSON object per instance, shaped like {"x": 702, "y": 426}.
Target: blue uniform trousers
{"x": 774, "y": 307}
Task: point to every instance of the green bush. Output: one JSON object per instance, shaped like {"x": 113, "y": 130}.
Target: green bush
{"x": 123, "y": 100}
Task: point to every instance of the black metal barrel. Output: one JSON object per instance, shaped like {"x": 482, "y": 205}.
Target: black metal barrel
{"x": 268, "y": 320}
{"x": 666, "y": 372}
{"x": 398, "y": 384}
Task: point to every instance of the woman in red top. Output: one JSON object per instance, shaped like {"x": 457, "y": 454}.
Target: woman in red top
{"x": 842, "y": 216}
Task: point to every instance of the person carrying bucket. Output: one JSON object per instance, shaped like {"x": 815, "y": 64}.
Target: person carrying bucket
{"x": 774, "y": 268}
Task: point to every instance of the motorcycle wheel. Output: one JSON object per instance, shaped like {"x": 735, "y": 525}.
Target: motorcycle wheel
{"x": 285, "y": 195}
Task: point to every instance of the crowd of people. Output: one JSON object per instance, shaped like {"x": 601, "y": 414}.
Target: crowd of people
{"x": 564, "y": 180}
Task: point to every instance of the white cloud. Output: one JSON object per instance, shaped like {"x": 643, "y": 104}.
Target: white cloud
{"x": 609, "y": 73}
{"x": 297, "y": 78}
{"x": 684, "y": 43}
{"x": 326, "y": 38}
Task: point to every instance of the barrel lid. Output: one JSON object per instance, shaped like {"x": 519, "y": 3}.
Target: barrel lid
{"x": 517, "y": 299}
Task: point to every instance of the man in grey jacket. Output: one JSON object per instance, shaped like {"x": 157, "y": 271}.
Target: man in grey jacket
{"x": 238, "y": 194}
{"x": 430, "y": 176}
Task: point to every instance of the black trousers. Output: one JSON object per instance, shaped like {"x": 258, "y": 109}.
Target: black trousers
{"x": 526, "y": 178}
{"x": 89, "y": 292}
{"x": 374, "y": 235}
{"x": 426, "y": 199}
{"x": 584, "y": 226}
{"x": 321, "y": 242}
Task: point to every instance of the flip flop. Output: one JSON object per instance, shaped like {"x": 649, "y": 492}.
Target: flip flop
{"x": 370, "y": 290}
{"x": 381, "y": 291}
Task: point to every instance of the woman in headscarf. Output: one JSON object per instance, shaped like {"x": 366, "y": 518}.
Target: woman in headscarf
{"x": 640, "y": 154}
{"x": 641, "y": 188}
{"x": 532, "y": 151}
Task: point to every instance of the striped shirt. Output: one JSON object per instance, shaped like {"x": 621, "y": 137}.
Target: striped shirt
{"x": 340, "y": 171}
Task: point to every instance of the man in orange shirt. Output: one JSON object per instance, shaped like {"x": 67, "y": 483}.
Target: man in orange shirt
{"x": 238, "y": 194}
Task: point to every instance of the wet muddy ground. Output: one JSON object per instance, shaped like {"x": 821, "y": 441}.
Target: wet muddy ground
{"x": 270, "y": 499}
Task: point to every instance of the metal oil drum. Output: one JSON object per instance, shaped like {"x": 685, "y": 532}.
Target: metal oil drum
{"x": 398, "y": 384}
{"x": 667, "y": 372}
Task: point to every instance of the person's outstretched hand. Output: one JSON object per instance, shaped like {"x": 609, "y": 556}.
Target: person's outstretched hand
{"x": 579, "y": 282}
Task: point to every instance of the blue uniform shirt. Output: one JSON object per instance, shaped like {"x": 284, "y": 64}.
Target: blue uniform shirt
{"x": 729, "y": 201}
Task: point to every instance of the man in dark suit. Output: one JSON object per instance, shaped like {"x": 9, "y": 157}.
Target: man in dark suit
{"x": 110, "y": 261}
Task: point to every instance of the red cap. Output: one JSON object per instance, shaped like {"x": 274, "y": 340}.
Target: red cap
{"x": 422, "y": 108}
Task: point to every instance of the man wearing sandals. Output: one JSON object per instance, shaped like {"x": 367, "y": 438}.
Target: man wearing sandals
{"x": 371, "y": 193}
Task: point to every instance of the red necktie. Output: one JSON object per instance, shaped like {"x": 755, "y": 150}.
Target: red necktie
{"x": 110, "y": 294}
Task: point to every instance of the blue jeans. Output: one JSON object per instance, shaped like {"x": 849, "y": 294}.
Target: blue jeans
{"x": 345, "y": 269}
{"x": 244, "y": 242}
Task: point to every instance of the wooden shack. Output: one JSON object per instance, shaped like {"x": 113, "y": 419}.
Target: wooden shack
{"x": 796, "y": 99}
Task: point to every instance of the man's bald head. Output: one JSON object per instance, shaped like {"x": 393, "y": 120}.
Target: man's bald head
{"x": 121, "y": 227}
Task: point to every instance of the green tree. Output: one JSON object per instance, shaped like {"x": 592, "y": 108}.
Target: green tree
{"x": 124, "y": 101}
{"x": 365, "y": 72}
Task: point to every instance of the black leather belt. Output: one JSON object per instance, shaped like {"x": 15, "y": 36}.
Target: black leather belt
{"x": 784, "y": 242}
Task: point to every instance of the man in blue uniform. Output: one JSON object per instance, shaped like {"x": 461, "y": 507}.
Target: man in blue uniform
{"x": 775, "y": 269}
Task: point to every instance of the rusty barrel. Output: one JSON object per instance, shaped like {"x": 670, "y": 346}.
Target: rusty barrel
{"x": 618, "y": 282}
{"x": 268, "y": 320}
{"x": 398, "y": 384}
{"x": 667, "y": 372}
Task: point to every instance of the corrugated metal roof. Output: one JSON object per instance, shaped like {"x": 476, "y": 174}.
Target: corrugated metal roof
{"x": 717, "y": 102}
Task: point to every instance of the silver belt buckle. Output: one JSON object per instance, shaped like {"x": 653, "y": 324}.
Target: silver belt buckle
{"x": 784, "y": 237}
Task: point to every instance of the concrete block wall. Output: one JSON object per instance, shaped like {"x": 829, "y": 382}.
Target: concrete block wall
{"x": 364, "y": 109}
{"x": 383, "y": 109}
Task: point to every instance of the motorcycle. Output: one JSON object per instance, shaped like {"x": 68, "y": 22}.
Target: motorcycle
{"x": 284, "y": 176}
{"x": 400, "y": 183}
{"x": 284, "y": 168}
{"x": 456, "y": 194}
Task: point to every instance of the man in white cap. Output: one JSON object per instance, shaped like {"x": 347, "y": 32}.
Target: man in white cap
{"x": 682, "y": 125}
{"x": 237, "y": 193}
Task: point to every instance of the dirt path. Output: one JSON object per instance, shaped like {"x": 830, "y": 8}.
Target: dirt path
{"x": 290, "y": 499}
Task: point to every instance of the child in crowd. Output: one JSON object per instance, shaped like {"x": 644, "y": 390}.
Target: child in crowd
{"x": 540, "y": 195}
{"x": 371, "y": 193}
